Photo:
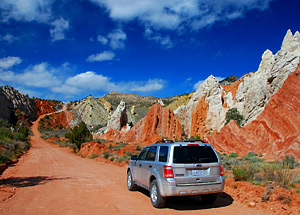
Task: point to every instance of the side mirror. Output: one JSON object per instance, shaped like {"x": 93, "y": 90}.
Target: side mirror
{"x": 133, "y": 157}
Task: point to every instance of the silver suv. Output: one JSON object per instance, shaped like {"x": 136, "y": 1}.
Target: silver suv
{"x": 177, "y": 169}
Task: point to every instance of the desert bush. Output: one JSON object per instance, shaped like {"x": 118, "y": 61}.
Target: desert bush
{"x": 289, "y": 162}
{"x": 80, "y": 134}
{"x": 283, "y": 177}
{"x": 119, "y": 146}
{"x": 125, "y": 158}
{"x": 267, "y": 194}
{"x": 138, "y": 148}
{"x": 233, "y": 155}
{"x": 106, "y": 154}
{"x": 234, "y": 114}
{"x": 268, "y": 171}
{"x": 243, "y": 172}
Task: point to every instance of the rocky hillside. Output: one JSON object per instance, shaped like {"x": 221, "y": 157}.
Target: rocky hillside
{"x": 17, "y": 106}
{"x": 159, "y": 123}
{"x": 269, "y": 108}
{"x": 274, "y": 133}
{"x": 92, "y": 112}
{"x": 205, "y": 113}
{"x": 14, "y": 104}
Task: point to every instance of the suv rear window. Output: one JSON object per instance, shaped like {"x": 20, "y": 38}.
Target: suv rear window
{"x": 194, "y": 154}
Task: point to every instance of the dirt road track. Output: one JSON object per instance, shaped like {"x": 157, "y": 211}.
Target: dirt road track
{"x": 50, "y": 180}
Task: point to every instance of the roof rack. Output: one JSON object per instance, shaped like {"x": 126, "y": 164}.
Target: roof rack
{"x": 195, "y": 141}
{"x": 165, "y": 141}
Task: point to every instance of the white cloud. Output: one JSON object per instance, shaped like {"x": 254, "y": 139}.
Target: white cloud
{"x": 171, "y": 14}
{"x": 40, "y": 75}
{"x": 8, "y": 38}
{"x": 198, "y": 84}
{"x": 60, "y": 27}
{"x": 150, "y": 85}
{"x": 166, "y": 42}
{"x": 92, "y": 81}
{"x": 67, "y": 90}
{"x": 26, "y": 10}
{"x": 117, "y": 39}
{"x": 9, "y": 62}
{"x": 103, "y": 56}
{"x": 102, "y": 39}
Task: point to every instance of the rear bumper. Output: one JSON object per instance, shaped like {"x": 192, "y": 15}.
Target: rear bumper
{"x": 170, "y": 188}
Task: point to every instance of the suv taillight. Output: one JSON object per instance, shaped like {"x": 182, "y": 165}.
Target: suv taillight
{"x": 168, "y": 172}
{"x": 221, "y": 170}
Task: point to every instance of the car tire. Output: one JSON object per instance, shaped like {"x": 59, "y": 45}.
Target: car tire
{"x": 209, "y": 199}
{"x": 130, "y": 182}
{"x": 156, "y": 199}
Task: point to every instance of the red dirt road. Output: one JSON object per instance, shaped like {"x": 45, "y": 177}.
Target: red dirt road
{"x": 50, "y": 180}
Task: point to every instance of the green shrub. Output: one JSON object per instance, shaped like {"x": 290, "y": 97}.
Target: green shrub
{"x": 283, "y": 177}
{"x": 289, "y": 162}
{"x": 138, "y": 148}
{"x": 198, "y": 138}
{"x": 233, "y": 155}
{"x": 106, "y": 154}
{"x": 267, "y": 171}
{"x": 234, "y": 114}
{"x": 125, "y": 158}
{"x": 80, "y": 134}
{"x": 243, "y": 172}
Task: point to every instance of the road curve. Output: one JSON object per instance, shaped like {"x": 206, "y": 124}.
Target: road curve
{"x": 51, "y": 180}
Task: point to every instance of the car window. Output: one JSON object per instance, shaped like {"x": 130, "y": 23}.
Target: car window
{"x": 143, "y": 154}
{"x": 163, "y": 153}
{"x": 194, "y": 154}
{"x": 151, "y": 154}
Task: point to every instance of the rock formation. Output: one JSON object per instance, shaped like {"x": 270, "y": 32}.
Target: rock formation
{"x": 47, "y": 106}
{"x": 274, "y": 133}
{"x": 119, "y": 118}
{"x": 249, "y": 95}
{"x": 11, "y": 101}
{"x": 159, "y": 123}
{"x": 91, "y": 112}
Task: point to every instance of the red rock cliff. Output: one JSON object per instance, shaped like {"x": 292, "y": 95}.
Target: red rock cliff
{"x": 159, "y": 123}
{"x": 276, "y": 131}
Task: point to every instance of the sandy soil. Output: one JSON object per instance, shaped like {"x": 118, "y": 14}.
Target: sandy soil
{"x": 51, "y": 180}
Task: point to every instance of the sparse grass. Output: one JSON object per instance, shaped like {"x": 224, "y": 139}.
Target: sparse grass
{"x": 243, "y": 172}
{"x": 119, "y": 146}
{"x": 254, "y": 169}
{"x": 14, "y": 141}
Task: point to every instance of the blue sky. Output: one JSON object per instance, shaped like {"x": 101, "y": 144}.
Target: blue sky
{"x": 67, "y": 50}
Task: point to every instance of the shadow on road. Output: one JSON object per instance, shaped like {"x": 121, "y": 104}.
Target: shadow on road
{"x": 28, "y": 181}
{"x": 193, "y": 203}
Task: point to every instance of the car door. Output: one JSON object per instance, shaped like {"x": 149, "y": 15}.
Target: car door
{"x": 147, "y": 165}
{"x": 137, "y": 166}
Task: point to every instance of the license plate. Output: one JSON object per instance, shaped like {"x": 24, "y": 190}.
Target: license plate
{"x": 198, "y": 172}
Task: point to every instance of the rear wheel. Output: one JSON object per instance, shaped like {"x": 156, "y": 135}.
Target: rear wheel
{"x": 156, "y": 199}
{"x": 209, "y": 199}
{"x": 130, "y": 183}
